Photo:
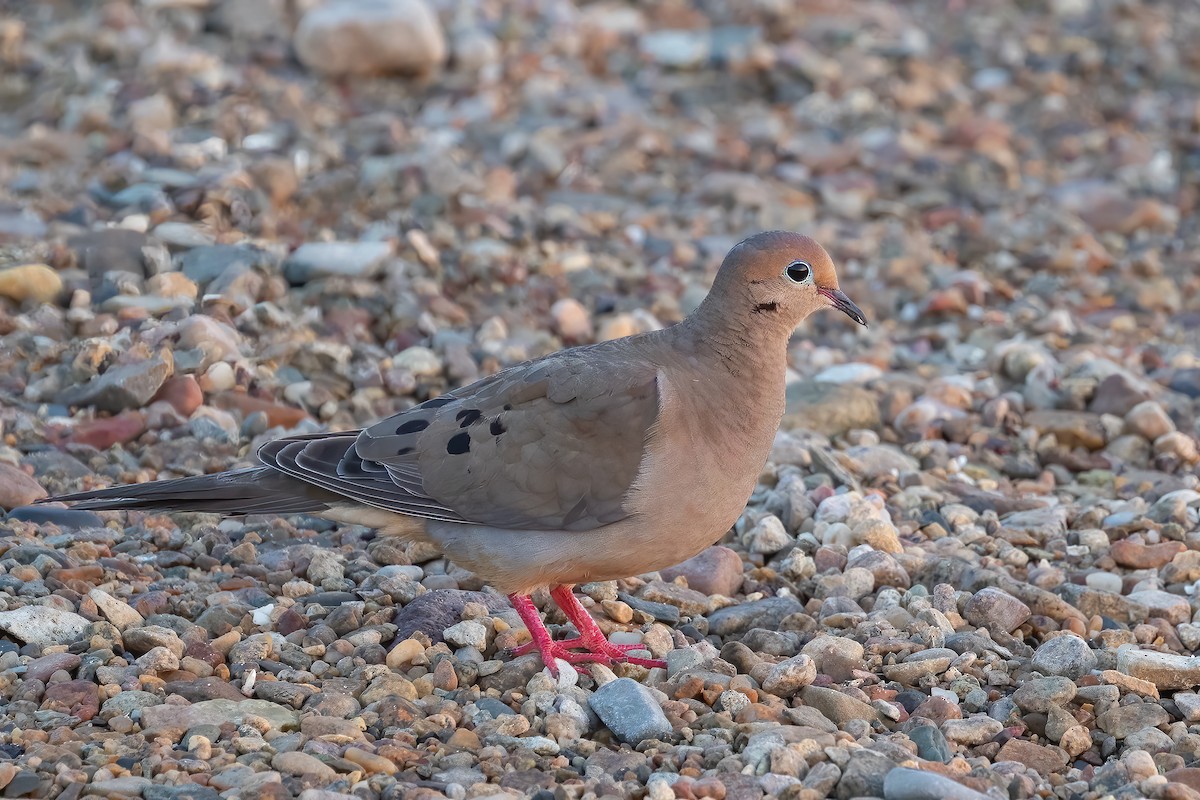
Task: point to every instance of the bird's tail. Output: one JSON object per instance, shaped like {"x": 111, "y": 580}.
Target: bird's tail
{"x": 257, "y": 490}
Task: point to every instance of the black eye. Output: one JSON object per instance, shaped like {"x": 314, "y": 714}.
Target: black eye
{"x": 798, "y": 271}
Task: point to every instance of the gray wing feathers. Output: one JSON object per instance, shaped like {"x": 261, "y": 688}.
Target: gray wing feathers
{"x": 551, "y": 445}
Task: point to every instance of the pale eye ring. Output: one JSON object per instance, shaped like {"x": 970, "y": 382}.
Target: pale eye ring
{"x": 798, "y": 271}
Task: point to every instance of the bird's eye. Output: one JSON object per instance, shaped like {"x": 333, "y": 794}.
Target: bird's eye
{"x": 798, "y": 271}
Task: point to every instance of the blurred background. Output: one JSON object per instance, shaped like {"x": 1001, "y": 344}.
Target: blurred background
{"x": 325, "y": 211}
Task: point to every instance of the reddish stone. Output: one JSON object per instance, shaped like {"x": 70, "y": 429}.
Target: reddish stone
{"x": 183, "y": 393}
{"x": 77, "y": 698}
{"x": 1137, "y": 555}
{"x": 202, "y": 651}
{"x": 104, "y": 433}
{"x": 717, "y": 570}
{"x": 291, "y": 621}
{"x": 277, "y": 415}
{"x": 40, "y": 669}
{"x": 937, "y": 710}
{"x": 89, "y": 573}
{"x": 151, "y": 603}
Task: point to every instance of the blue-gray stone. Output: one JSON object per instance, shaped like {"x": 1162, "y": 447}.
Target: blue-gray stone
{"x": 931, "y": 744}
{"x": 630, "y": 711}
{"x": 903, "y": 783}
{"x": 765, "y": 613}
{"x": 53, "y": 515}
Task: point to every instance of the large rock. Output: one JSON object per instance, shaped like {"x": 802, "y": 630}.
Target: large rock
{"x": 43, "y": 625}
{"x": 35, "y": 283}
{"x": 716, "y": 570}
{"x": 17, "y": 488}
{"x": 362, "y": 37}
{"x": 829, "y": 408}
{"x": 125, "y": 386}
{"x": 433, "y": 612}
{"x": 630, "y": 711}
{"x": 315, "y": 260}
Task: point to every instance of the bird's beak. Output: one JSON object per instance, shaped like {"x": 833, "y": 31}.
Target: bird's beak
{"x": 837, "y": 298}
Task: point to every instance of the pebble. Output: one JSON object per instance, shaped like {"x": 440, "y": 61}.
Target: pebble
{"x": 913, "y": 784}
{"x": 17, "y": 488}
{"x": 836, "y": 656}
{"x": 716, "y": 570}
{"x": 1065, "y": 655}
{"x": 1167, "y": 671}
{"x": 315, "y": 260}
{"x": 628, "y": 709}
{"x": 994, "y": 607}
{"x": 43, "y": 625}
{"x": 32, "y": 283}
{"x": 971, "y": 731}
{"x": 118, "y": 612}
{"x": 303, "y": 764}
{"x": 789, "y": 676}
{"x": 1040, "y": 694}
{"x": 1127, "y": 720}
{"x": 364, "y": 37}
{"x": 130, "y": 385}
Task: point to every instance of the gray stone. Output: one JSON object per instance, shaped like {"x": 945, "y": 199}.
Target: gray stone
{"x": 1065, "y": 655}
{"x": 43, "y": 625}
{"x": 830, "y": 408}
{"x": 837, "y": 707}
{"x": 630, "y": 711}
{"x": 433, "y": 612}
{"x": 903, "y": 783}
{"x": 66, "y": 518}
{"x": 790, "y": 676}
{"x": 1041, "y": 693}
{"x": 124, "y": 386}
{"x": 203, "y": 265}
{"x": 765, "y": 613}
{"x": 864, "y": 775}
{"x": 363, "y": 37}
{"x": 972, "y": 730}
{"x": 931, "y": 744}
{"x": 995, "y": 608}
{"x": 216, "y": 712}
{"x": 140, "y": 641}
{"x": 1125, "y": 720}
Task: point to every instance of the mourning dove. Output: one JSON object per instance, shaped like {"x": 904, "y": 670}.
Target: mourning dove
{"x": 589, "y": 464}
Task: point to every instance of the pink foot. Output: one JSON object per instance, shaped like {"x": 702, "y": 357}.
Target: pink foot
{"x": 591, "y": 638}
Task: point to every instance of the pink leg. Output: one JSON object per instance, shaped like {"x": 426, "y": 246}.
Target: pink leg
{"x": 590, "y": 638}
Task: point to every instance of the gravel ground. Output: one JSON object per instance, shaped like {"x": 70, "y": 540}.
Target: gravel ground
{"x": 969, "y": 569}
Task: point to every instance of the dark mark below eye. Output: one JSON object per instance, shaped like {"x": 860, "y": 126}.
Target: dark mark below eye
{"x": 412, "y": 426}
{"x": 763, "y": 308}
{"x": 459, "y": 443}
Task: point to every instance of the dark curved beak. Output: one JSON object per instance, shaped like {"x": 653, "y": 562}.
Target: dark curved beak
{"x": 837, "y": 299}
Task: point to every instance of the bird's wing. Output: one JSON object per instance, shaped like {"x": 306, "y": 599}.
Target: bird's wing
{"x": 552, "y": 444}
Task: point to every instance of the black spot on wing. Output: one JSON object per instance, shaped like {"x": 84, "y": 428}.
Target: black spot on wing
{"x": 412, "y": 426}
{"x": 497, "y": 427}
{"x": 403, "y": 451}
{"x": 437, "y": 402}
{"x": 468, "y": 417}
{"x": 459, "y": 443}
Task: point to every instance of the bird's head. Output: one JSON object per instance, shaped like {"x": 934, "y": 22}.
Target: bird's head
{"x": 780, "y": 278}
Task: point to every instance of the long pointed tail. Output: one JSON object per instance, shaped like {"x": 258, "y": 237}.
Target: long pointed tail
{"x": 258, "y": 490}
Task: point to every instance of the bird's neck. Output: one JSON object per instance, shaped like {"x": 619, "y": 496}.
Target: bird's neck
{"x": 751, "y": 349}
